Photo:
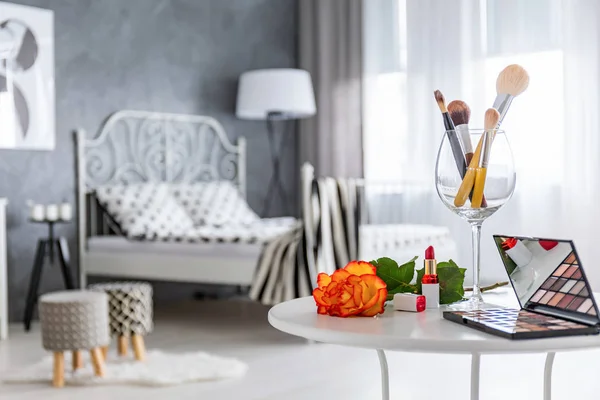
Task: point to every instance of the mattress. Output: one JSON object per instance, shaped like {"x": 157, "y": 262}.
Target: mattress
{"x": 122, "y": 245}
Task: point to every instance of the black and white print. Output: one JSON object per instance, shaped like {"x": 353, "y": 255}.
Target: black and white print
{"x": 146, "y": 211}
{"x": 215, "y": 204}
{"x": 27, "y": 102}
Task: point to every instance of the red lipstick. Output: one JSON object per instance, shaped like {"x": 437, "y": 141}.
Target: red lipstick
{"x": 430, "y": 285}
{"x": 430, "y": 266}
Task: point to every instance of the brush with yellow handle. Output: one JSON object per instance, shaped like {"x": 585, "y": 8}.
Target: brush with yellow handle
{"x": 469, "y": 181}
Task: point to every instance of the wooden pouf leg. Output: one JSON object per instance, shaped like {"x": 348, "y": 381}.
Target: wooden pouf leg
{"x": 77, "y": 360}
{"x": 104, "y": 352}
{"x": 138, "y": 347}
{"x": 97, "y": 361}
{"x": 122, "y": 345}
{"x": 58, "y": 379}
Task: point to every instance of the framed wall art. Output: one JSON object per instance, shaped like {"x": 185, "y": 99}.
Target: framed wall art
{"x": 27, "y": 99}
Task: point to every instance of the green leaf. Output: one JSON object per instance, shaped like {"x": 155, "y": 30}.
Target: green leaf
{"x": 452, "y": 280}
{"x": 420, "y": 275}
{"x": 395, "y": 276}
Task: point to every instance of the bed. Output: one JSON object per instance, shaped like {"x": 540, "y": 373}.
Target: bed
{"x": 140, "y": 147}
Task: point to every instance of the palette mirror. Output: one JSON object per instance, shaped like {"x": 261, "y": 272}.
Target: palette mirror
{"x": 547, "y": 276}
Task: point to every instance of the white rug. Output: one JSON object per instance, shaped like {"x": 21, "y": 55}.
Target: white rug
{"x": 159, "y": 369}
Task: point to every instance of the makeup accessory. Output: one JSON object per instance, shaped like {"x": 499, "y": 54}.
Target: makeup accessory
{"x": 430, "y": 286}
{"x": 517, "y": 251}
{"x": 560, "y": 303}
{"x": 490, "y": 122}
{"x": 457, "y": 151}
{"x": 460, "y": 113}
{"x": 409, "y": 302}
{"x": 511, "y": 82}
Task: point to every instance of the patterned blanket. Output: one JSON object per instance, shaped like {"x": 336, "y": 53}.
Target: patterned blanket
{"x": 328, "y": 237}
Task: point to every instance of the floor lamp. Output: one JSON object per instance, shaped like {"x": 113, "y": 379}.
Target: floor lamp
{"x": 272, "y": 95}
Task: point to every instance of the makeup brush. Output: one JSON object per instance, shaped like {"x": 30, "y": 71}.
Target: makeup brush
{"x": 457, "y": 151}
{"x": 461, "y": 114}
{"x": 511, "y": 82}
{"x": 490, "y": 122}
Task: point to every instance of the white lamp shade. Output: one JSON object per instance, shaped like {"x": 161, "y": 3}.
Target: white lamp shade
{"x": 287, "y": 91}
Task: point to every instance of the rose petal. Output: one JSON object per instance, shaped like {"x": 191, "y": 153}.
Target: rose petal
{"x": 361, "y": 268}
{"x": 373, "y": 280}
{"x": 318, "y": 296}
{"x": 358, "y": 289}
{"x": 379, "y": 306}
{"x": 331, "y": 288}
{"x": 370, "y": 285}
{"x": 323, "y": 279}
{"x": 322, "y": 310}
{"x": 340, "y": 275}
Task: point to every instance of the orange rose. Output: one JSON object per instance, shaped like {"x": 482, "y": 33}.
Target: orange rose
{"x": 353, "y": 290}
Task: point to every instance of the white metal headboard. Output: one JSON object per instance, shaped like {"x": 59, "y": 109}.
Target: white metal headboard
{"x": 142, "y": 146}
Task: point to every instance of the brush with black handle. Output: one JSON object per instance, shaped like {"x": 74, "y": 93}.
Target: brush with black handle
{"x": 460, "y": 113}
{"x": 457, "y": 151}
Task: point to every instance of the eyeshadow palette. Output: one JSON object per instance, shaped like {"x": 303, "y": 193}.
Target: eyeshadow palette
{"x": 518, "y": 324}
{"x": 550, "y": 283}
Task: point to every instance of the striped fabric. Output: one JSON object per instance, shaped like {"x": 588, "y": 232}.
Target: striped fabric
{"x": 328, "y": 238}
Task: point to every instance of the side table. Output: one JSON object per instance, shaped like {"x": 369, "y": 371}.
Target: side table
{"x": 47, "y": 246}
{"x": 425, "y": 332}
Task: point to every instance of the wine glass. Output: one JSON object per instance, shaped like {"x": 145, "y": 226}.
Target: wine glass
{"x": 494, "y": 169}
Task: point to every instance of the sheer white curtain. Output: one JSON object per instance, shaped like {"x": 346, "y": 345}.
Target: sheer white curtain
{"x": 413, "y": 47}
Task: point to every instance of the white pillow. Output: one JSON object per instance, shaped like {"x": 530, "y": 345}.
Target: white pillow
{"x": 217, "y": 203}
{"x": 145, "y": 210}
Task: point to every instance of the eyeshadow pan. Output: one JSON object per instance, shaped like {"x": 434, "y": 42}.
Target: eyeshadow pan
{"x": 577, "y": 288}
{"x": 568, "y": 286}
{"x": 565, "y": 301}
{"x": 584, "y": 292}
{"x": 571, "y": 258}
{"x": 585, "y": 306}
{"x": 569, "y": 272}
{"x": 538, "y": 295}
{"x": 549, "y": 282}
{"x": 577, "y": 274}
{"x": 576, "y": 303}
{"x": 547, "y": 298}
{"x": 592, "y": 311}
{"x": 557, "y": 297}
{"x": 560, "y": 270}
{"x": 558, "y": 284}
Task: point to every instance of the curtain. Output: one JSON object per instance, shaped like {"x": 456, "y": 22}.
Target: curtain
{"x": 459, "y": 47}
{"x": 331, "y": 50}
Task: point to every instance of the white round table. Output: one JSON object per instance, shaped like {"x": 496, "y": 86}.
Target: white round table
{"x": 425, "y": 332}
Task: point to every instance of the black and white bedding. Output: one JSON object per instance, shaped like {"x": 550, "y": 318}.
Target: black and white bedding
{"x": 197, "y": 212}
{"x": 327, "y": 238}
{"x": 293, "y": 252}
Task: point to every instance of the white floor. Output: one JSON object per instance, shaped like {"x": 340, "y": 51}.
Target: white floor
{"x": 284, "y": 367}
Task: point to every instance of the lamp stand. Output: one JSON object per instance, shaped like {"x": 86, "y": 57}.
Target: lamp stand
{"x": 275, "y": 185}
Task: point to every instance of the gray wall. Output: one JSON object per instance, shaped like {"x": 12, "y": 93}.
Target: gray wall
{"x": 179, "y": 56}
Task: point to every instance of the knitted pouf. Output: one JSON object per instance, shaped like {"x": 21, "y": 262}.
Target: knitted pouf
{"x": 129, "y": 312}
{"x": 74, "y": 320}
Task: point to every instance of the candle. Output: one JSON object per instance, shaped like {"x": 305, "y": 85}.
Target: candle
{"x": 52, "y": 212}
{"x": 65, "y": 212}
{"x": 37, "y": 212}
